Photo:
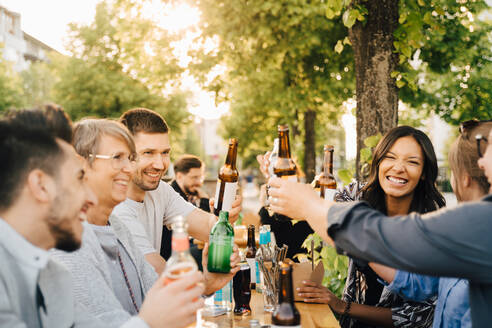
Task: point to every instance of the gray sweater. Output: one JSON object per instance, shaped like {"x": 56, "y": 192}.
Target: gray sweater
{"x": 453, "y": 242}
{"x": 92, "y": 279}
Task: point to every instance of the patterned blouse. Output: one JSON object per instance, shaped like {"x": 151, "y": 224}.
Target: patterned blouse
{"x": 363, "y": 286}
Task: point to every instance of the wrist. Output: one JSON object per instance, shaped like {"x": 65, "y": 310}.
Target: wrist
{"x": 340, "y": 306}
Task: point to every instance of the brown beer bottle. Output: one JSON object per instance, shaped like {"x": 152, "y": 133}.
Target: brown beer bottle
{"x": 227, "y": 181}
{"x": 284, "y": 166}
{"x": 286, "y": 314}
{"x": 327, "y": 182}
{"x": 251, "y": 254}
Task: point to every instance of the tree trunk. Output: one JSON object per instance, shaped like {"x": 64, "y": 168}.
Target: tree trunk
{"x": 376, "y": 91}
{"x": 309, "y": 145}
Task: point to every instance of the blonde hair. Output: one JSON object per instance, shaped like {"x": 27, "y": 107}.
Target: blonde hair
{"x": 463, "y": 156}
{"x": 88, "y": 132}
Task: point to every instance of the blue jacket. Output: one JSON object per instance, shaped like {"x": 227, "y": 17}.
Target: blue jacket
{"x": 453, "y": 305}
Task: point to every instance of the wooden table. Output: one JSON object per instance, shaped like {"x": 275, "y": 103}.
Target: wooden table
{"x": 312, "y": 316}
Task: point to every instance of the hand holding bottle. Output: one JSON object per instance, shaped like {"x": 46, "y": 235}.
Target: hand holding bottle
{"x": 215, "y": 281}
{"x": 173, "y": 305}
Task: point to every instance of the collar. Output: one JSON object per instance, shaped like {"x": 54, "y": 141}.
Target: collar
{"x": 178, "y": 189}
{"x": 20, "y": 248}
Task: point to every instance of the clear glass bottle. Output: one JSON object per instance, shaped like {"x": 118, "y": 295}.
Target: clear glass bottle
{"x": 181, "y": 262}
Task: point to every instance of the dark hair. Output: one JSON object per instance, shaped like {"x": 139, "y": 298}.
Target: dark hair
{"x": 426, "y": 197}
{"x": 187, "y": 162}
{"x": 27, "y": 142}
{"x": 144, "y": 120}
{"x": 50, "y": 117}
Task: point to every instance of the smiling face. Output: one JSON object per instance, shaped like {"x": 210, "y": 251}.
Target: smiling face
{"x": 485, "y": 163}
{"x": 153, "y": 151}
{"x": 69, "y": 207}
{"x": 401, "y": 168}
{"x": 190, "y": 182}
{"x": 109, "y": 183}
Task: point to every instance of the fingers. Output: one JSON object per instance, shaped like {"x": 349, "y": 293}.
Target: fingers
{"x": 309, "y": 283}
{"x": 211, "y": 203}
{"x": 205, "y": 250}
{"x": 185, "y": 282}
{"x": 275, "y": 183}
{"x": 309, "y": 290}
{"x": 235, "y": 259}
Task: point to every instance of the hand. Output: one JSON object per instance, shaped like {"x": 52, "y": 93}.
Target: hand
{"x": 174, "y": 305}
{"x": 215, "y": 281}
{"x": 264, "y": 162}
{"x": 236, "y": 208}
{"x": 263, "y": 195}
{"x": 313, "y": 293}
{"x": 286, "y": 198}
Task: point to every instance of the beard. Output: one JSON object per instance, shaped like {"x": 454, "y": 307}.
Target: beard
{"x": 61, "y": 229}
{"x": 190, "y": 192}
{"x": 65, "y": 239}
{"x": 139, "y": 182}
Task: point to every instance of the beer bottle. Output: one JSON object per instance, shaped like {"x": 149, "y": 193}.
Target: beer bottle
{"x": 242, "y": 290}
{"x": 225, "y": 192}
{"x": 284, "y": 166}
{"x": 286, "y": 314}
{"x": 327, "y": 182}
{"x": 221, "y": 242}
{"x": 251, "y": 254}
{"x": 181, "y": 262}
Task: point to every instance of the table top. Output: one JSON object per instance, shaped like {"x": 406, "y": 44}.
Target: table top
{"x": 312, "y": 316}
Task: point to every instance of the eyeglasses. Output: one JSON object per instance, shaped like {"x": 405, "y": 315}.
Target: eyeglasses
{"x": 118, "y": 160}
{"x": 479, "y": 139}
{"x": 466, "y": 125}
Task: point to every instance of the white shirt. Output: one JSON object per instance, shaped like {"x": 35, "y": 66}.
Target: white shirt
{"x": 31, "y": 260}
{"x": 145, "y": 219}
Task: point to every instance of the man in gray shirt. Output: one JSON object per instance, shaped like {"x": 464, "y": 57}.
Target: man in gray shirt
{"x": 450, "y": 242}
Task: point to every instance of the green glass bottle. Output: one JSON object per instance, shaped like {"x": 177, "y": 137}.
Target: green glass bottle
{"x": 221, "y": 242}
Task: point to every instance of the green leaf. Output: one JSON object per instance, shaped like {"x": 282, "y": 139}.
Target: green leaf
{"x": 421, "y": 3}
{"x": 346, "y": 40}
{"x": 330, "y": 13}
{"x": 339, "y": 47}
{"x": 349, "y": 18}
{"x": 403, "y": 17}
{"x": 394, "y": 74}
{"x": 365, "y": 154}
{"x": 400, "y": 83}
{"x": 372, "y": 141}
{"x": 345, "y": 175}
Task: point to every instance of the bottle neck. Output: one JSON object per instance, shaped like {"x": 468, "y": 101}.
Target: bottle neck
{"x": 231, "y": 155}
{"x": 328, "y": 162}
{"x": 285, "y": 293}
{"x": 284, "y": 146}
{"x": 180, "y": 242}
{"x": 251, "y": 238}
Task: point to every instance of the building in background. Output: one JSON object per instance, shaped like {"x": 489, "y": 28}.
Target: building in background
{"x": 18, "y": 46}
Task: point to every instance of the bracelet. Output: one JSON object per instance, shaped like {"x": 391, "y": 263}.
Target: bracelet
{"x": 346, "y": 310}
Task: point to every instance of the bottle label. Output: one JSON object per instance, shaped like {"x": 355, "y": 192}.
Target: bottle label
{"x": 221, "y": 240}
{"x": 252, "y": 264}
{"x": 330, "y": 194}
{"x": 230, "y": 189}
{"x": 257, "y": 271}
{"x": 180, "y": 244}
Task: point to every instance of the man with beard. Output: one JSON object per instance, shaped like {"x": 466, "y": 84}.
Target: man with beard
{"x": 152, "y": 203}
{"x": 189, "y": 173}
{"x": 43, "y": 199}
